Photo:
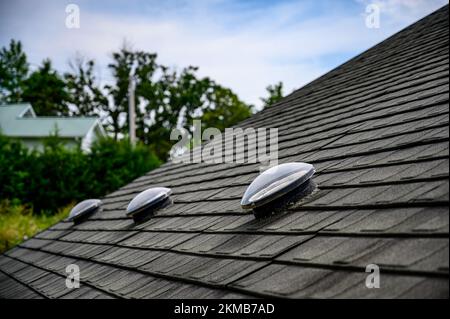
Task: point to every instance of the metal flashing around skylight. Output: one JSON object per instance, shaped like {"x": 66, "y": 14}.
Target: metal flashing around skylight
{"x": 275, "y": 183}
{"x": 84, "y": 209}
{"x": 148, "y": 201}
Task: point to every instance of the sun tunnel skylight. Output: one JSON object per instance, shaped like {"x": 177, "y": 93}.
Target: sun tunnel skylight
{"x": 275, "y": 183}
{"x": 84, "y": 209}
{"x": 148, "y": 201}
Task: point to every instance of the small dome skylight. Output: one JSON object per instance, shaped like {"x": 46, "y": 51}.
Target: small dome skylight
{"x": 276, "y": 182}
{"x": 147, "y": 202}
{"x": 84, "y": 209}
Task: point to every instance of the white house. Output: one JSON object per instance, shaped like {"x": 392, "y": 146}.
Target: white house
{"x": 19, "y": 121}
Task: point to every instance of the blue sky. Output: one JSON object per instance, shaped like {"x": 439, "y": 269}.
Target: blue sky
{"x": 245, "y": 45}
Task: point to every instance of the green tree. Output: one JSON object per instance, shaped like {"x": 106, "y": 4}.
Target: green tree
{"x": 57, "y": 176}
{"x": 275, "y": 94}
{"x": 140, "y": 66}
{"x": 171, "y": 101}
{"x": 46, "y": 91}
{"x": 111, "y": 100}
{"x": 224, "y": 109}
{"x": 165, "y": 98}
{"x": 13, "y": 72}
{"x": 85, "y": 95}
{"x": 176, "y": 99}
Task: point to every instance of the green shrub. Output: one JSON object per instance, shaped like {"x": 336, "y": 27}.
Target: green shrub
{"x": 57, "y": 176}
{"x": 18, "y": 223}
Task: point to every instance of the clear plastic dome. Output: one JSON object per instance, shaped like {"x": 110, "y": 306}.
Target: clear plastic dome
{"x": 147, "y": 199}
{"x": 276, "y": 182}
{"x": 84, "y": 208}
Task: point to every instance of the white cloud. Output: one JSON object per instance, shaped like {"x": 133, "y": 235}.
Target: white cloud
{"x": 403, "y": 11}
{"x": 240, "y": 47}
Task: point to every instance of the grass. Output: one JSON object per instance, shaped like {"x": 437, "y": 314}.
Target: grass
{"x": 18, "y": 223}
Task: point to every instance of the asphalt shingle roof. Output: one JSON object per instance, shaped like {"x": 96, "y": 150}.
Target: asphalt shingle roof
{"x": 375, "y": 128}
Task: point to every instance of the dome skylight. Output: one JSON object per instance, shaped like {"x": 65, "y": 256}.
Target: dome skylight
{"x": 275, "y": 183}
{"x": 147, "y": 202}
{"x": 84, "y": 209}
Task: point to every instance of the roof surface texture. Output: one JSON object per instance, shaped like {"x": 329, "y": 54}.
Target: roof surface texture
{"x": 11, "y": 124}
{"x": 375, "y": 128}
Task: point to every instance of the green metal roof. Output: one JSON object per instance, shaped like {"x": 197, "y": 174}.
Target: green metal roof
{"x": 13, "y": 124}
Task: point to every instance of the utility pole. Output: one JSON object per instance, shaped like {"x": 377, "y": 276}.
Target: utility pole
{"x": 131, "y": 112}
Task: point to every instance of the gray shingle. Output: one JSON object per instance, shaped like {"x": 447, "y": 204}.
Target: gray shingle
{"x": 302, "y": 282}
{"x": 412, "y": 254}
{"x": 393, "y": 221}
{"x": 375, "y": 128}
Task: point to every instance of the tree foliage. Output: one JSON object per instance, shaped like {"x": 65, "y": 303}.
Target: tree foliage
{"x": 43, "y": 88}
{"x": 46, "y": 91}
{"x": 275, "y": 93}
{"x": 165, "y": 98}
{"x": 224, "y": 109}
{"x": 85, "y": 96}
{"x": 57, "y": 176}
{"x": 13, "y": 72}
